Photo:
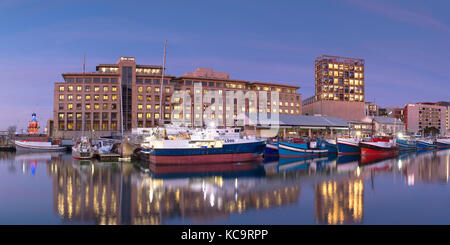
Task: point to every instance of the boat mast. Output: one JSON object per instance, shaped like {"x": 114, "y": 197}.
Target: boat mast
{"x": 82, "y": 109}
{"x": 161, "y": 119}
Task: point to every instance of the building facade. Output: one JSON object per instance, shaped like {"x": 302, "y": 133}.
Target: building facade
{"x": 135, "y": 96}
{"x": 339, "y": 88}
{"x": 424, "y": 115}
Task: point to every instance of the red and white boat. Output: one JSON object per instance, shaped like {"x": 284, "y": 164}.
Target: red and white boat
{"x": 379, "y": 148}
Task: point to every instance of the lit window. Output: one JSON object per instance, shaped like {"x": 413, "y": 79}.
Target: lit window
{"x": 88, "y": 97}
{"x": 114, "y": 89}
{"x": 139, "y": 115}
{"x": 61, "y": 88}
{"x": 70, "y": 88}
{"x": 88, "y": 106}
{"x": 140, "y": 89}
{"x": 148, "y": 115}
{"x": 149, "y": 107}
{"x": 156, "y": 115}
{"x": 69, "y": 97}
{"x": 96, "y": 107}
{"x": 69, "y": 106}
{"x": 79, "y": 88}
{"x": 61, "y": 97}
{"x": 140, "y": 97}
{"x": 78, "y": 97}
{"x": 105, "y": 97}
{"x": 105, "y": 89}
{"x": 140, "y": 107}
{"x": 149, "y": 89}
{"x": 96, "y": 88}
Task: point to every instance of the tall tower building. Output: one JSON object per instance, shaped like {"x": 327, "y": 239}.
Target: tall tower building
{"x": 339, "y": 88}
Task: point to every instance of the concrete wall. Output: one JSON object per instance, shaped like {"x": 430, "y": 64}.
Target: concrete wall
{"x": 341, "y": 109}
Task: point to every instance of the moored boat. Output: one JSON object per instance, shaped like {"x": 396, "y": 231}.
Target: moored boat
{"x": 82, "y": 150}
{"x": 425, "y": 144}
{"x": 380, "y": 148}
{"x": 300, "y": 150}
{"x": 331, "y": 145}
{"x": 271, "y": 149}
{"x": 406, "y": 145}
{"x": 204, "y": 152}
{"x": 443, "y": 143}
{"x": 348, "y": 146}
{"x": 37, "y": 146}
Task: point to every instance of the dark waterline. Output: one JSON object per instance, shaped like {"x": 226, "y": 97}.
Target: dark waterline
{"x": 53, "y": 188}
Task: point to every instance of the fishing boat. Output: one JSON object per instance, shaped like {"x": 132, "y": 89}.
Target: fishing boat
{"x": 425, "y": 144}
{"x": 271, "y": 149}
{"x": 348, "y": 146}
{"x": 406, "y": 144}
{"x": 378, "y": 148}
{"x": 82, "y": 150}
{"x": 37, "y": 146}
{"x": 301, "y": 149}
{"x": 204, "y": 146}
{"x": 331, "y": 145}
{"x": 443, "y": 143}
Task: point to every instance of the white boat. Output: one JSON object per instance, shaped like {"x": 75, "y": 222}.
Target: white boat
{"x": 36, "y": 146}
{"x": 82, "y": 149}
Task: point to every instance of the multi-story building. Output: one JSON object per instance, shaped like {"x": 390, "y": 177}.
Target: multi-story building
{"x": 396, "y": 112}
{"x": 447, "y": 121}
{"x": 130, "y": 95}
{"x": 339, "y": 88}
{"x": 424, "y": 115}
{"x": 371, "y": 109}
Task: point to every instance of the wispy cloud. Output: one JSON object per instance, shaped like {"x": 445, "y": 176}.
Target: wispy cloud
{"x": 402, "y": 14}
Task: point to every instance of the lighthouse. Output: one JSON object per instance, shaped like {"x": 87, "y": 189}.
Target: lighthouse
{"x": 33, "y": 125}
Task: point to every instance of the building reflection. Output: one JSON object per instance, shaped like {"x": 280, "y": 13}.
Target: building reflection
{"x": 429, "y": 167}
{"x": 115, "y": 193}
{"x": 339, "y": 202}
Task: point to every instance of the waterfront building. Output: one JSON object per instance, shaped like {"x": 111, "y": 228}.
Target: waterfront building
{"x": 98, "y": 99}
{"x": 339, "y": 88}
{"x": 385, "y": 126}
{"x": 361, "y": 129}
{"x": 396, "y": 112}
{"x": 371, "y": 109}
{"x": 424, "y": 115}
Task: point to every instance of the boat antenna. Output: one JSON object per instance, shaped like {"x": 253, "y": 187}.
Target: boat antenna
{"x": 161, "y": 118}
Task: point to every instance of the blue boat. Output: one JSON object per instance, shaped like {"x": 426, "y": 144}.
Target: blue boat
{"x": 425, "y": 144}
{"x": 443, "y": 143}
{"x": 406, "y": 145}
{"x": 300, "y": 150}
{"x": 271, "y": 149}
{"x": 331, "y": 146}
{"x": 348, "y": 146}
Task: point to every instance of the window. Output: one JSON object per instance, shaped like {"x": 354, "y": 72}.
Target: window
{"x": 70, "y": 88}
{"x": 105, "y": 97}
{"x": 113, "y": 106}
{"x": 61, "y": 116}
{"x": 140, "y": 97}
{"x": 96, "y": 107}
{"x": 139, "y": 115}
{"x": 148, "y": 115}
{"x": 105, "y": 80}
{"x": 69, "y": 106}
{"x": 96, "y": 88}
{"x": 88, "y": 97}
{"x": 105, "y": 89}
{"x": 114, "y": 97}
{"x": 105, "y": 106}
{"x": 149, "y": 89}
{"x": 78, "y": 97}
{"x": 87, "y": 88}
{"x": 79, "y": 88}
{"x": 61, "y": 97}
{"x": 149, "y": 107}
{"x": 140, "y": 89}
{"x": 139, "y": 106}
{"x": 88, "y": 106}
{"x": 61, "y": 88}
{"x": 114, "y": 89}
{"x": 96, "y": 97}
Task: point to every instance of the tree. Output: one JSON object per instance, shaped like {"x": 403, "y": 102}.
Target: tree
{"x": 431, "y": 131}
{"x": 12, "y": 129}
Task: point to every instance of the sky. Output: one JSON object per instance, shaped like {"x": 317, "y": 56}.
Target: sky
{"x": 405, "y": 44}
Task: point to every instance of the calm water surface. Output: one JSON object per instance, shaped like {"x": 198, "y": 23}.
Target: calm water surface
{"x": 53, "y": 188}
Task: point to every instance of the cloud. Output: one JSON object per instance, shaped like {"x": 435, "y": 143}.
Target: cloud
{"x": 401, "y": 14}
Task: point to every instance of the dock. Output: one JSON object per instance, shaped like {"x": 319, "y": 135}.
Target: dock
{"x": 109, "y": 157}
{"x": 7, "y": 148}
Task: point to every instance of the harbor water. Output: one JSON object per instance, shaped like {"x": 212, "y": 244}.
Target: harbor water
{"x": 54, "y": 188}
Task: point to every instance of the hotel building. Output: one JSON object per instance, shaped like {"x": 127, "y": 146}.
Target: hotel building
{"x": 339, "y": 88}
{"x": 100, "y": 98}
{"x": 426, "y": 115}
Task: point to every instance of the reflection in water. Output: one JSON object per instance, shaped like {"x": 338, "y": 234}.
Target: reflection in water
{"x": 339, "y": 202}
{"x": 141, "y": 193}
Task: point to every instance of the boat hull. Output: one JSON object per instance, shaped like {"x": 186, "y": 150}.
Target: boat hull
{"x": 374, "y": 150}
{"x": 443, "y": 144}
{"x": 404, "y": 145}
{"x": 30, "y": 147}
{"x": 271, "y": 149}
{"x": 287, "y": 150}
{"x": 347, "y": 148}
{"x": 332, "y": 148}
{"x": 425, "y": 145}
{"x": 229, "y": 153}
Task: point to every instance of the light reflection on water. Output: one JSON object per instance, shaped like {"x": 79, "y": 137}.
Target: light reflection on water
{"x": 324, "y": 190}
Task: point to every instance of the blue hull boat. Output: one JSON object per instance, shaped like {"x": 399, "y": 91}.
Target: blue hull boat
{"x": 331, "y": 146}
{"x": 299, "y": 150}
{"x": 271, "y": 149}
{"x": 425, "y": 144}
{"x": 406, "y": 145}
{"x": 348, "y": 147}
